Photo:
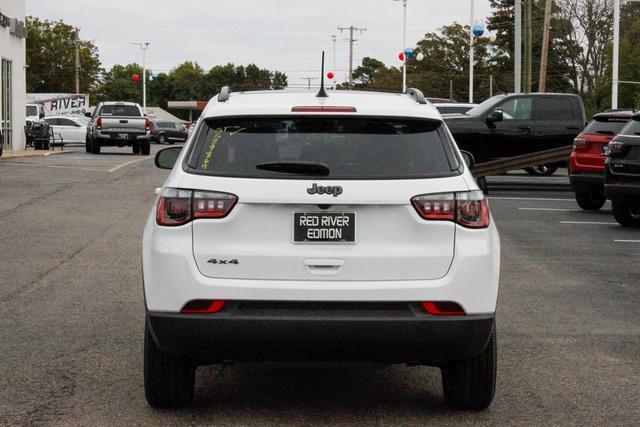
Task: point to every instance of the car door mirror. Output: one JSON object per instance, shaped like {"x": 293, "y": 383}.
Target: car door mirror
{"x": 166, "y": 159}
{"x": 468, "y": 158}
{"x": 41, "y": 115}
{"x": 88, "y": 114}
{"x": 497, "y": 115}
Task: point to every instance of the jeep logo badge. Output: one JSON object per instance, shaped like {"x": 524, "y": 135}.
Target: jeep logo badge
{"x": 336, "y": 190}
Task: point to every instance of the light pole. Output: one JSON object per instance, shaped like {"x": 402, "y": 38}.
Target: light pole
{"x": 144, "y": 46}
{"x": 404, "y": 45}
{"x": 616, "y": 53}
{"x": 471, "y": 54}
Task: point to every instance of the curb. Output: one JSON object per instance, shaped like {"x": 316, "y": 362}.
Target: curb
{"x": 33, "y": 153}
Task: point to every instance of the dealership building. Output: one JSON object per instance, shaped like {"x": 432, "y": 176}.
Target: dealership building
{"x": 13, "y": 35}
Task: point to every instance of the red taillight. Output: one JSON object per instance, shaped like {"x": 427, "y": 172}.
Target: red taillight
{"x": 178, "y": 207}
{"x": 615, "y": 147}
{"x": 469, "y": 209}
{"x": 580, "y": 143}
{"x": 148, "y": 124}
{"x": 203, "y": 306}
{"x": 99, "y": 122}
{"x": 443, "y": 308}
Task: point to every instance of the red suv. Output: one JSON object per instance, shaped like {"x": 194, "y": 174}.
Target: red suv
{"x": 586, "y": 169}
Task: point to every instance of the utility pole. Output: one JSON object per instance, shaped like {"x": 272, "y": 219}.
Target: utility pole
{"x": 351, "y": 41}
{"x": 616, "y": 53}
{"x": 528, "y": 53}
{"x": 517, "y": 56}
{"x": 77, "y": 63}
{"x": 333, "y": 39}
{"x": 542, "y": 85}
{"x": 308, "y": 79}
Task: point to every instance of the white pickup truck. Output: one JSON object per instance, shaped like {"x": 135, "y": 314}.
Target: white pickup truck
{"x": 118, "y": 124}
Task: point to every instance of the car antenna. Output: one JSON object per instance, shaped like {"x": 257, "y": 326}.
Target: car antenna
{"x": 322, "y": 93}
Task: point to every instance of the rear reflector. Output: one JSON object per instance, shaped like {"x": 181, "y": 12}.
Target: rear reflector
{"x": 443, "y": 308}
{"x": 203, "y": 306}
{"x": 323, "y": 109}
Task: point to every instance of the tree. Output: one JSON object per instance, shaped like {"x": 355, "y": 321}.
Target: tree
{"x": 51, "y": 57}
{"x": 117, "y": 84}
{"x": 446, "y": 63}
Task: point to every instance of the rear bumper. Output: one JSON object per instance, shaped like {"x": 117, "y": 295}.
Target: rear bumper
{"x": 236, "y": 335}
{"x": 623, "y": 191}
{"x": 111, "y": 138}
{"x": 587, "y": 181}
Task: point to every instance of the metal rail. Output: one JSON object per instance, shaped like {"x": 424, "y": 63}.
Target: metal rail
{"x": 496, "y": 167}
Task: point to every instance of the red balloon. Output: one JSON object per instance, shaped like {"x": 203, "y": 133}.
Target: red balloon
{"x": 401, "y": 56}
{"x": 135, "y": 77}
{"x": 330, "y": 75}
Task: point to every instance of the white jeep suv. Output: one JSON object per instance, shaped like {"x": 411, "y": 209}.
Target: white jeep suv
{"x": 342, "y": 228}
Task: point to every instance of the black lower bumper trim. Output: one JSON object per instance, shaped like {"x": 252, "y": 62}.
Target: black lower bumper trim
{"x": 587, "y": 181}
{"x": 626, "y": 192}
{"x": 295, "y": 336}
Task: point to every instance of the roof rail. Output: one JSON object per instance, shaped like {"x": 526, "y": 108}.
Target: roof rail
{"x": 224, "y": 94}
{"x": 417, "y": 95}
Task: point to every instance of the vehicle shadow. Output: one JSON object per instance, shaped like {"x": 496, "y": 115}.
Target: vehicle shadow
{"x": 328, "y": 393}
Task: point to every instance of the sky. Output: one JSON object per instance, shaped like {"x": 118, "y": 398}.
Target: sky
{"x": 284, "y": 35}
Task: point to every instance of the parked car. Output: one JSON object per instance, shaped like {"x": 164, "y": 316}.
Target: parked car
{"x": 622, "y": 174}
{"x": 586, "y": 166}
{"x": 515, "y": 124}
{"x": 297, "y": 227}
{"x": 453, "y": 107}
{"x": 34, "y": 113}
{"x": 165, "y": 131}
{"x": 72, "y": 129}
{"x": 118, "y": 124}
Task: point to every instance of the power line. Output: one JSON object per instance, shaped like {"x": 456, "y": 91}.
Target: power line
{"x": 351, "y": 41}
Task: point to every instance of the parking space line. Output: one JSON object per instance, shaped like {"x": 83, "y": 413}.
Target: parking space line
{"x": 548, "y": 209}
{"x": 29, "y": 164}
{"x": 130, "y": 162}
{"x": 531, "y": 198}
{"x": 589, "y": 222}
{"x": 627, "y": 241}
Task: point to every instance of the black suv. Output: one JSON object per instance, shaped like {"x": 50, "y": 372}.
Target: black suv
{"x": 622, "y": 173}
{"x": 515, "y": 124}
{"x": 167, "y": 131}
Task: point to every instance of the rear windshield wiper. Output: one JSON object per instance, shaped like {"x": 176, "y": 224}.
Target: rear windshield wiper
{"x": 299, "y": 168}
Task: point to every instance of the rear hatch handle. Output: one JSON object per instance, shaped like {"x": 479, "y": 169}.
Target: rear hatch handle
{"x": 324, "y": 267}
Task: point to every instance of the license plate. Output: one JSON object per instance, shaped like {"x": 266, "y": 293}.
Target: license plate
{"x": 605, "y": 150}
{"x": 123, "y": 136}
{"x": 324, "y": 227}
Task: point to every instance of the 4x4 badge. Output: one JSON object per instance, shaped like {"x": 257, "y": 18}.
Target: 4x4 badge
{"x": 336, "y": 190}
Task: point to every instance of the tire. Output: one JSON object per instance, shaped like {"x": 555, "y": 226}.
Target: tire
{"x": 135, "y": 149}
{"x": 590, "y": 200}
{"x": 45, "y": 145}
{"x": 87, "y": 145}
{"x": 95, "y": 146}
{"x": 471, "y": 384}
{"x": 168, "y": 380}
{"x": 627, "y": 214}
{"x": 162, "y": 139}
{"x": 37, "y": 145}
{"x": 145, "y": 148}
{"x": 542, "y": 170}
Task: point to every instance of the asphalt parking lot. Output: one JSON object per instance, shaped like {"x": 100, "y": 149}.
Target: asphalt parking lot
{"x": 72, "y": 315}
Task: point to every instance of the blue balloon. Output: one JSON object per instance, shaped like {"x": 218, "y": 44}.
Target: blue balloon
{"x": 478, "y": 30}
{"x": 408, "y": 52}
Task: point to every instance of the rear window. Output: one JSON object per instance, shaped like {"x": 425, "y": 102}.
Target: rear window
{"x": 120, "y": 110}
{"x": 350, "y": 147}
{"x": 632, "y": 128}
{"x": 608, "y": 127}
{"x": 165, "y": 125}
